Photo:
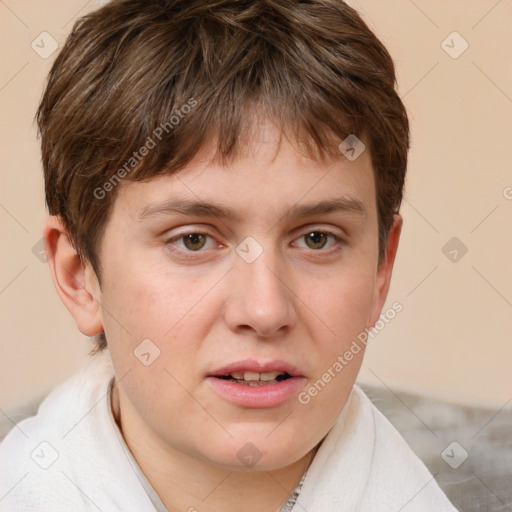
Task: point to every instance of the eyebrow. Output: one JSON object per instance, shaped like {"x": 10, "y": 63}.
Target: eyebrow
{"x": 205, "y": 209}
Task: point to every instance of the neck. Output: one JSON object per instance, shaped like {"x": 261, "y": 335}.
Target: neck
{"x": 187, "y": 483}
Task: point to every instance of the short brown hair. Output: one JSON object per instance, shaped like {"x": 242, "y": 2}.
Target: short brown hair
{"x": 312, "y": 66}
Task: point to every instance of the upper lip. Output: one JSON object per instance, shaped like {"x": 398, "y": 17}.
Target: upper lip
{"x": 251, "y": 365}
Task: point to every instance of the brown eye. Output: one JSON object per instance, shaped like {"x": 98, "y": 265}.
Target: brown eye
{"x": 194, "y": 241}
{"x": 316, "y": 240}
{"x": 319, "y": 241}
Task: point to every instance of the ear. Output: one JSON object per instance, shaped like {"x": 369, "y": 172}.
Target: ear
{"x": 385, "y": 269}
{"x": 74, "y": 280}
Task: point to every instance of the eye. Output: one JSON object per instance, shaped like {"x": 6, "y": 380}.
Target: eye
{"x": 317, "y": 240}
{"x": 192, "y": 242}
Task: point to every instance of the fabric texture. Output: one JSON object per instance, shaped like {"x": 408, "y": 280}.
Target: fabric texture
{"x": 70, "y": 456}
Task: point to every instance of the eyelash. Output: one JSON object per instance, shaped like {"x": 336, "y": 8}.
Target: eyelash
{"x": 338, "y": 244}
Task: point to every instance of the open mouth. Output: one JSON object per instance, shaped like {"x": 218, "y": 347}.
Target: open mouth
{"x": 255, "y": 378}
{"x": 257, "y": 385}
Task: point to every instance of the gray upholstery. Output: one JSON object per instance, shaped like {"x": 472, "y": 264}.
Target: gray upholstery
{"x": 483, "y": 482}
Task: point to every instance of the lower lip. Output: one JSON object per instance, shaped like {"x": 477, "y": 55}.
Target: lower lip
{"x": 264, "y": 396}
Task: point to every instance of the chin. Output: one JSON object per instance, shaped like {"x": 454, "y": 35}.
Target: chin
{"x": 255, "y": 453}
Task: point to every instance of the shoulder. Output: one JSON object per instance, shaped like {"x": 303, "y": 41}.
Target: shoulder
{"x": 41, "y": 456}
{"x": 398, "y": 476}
{"x": 364, "y": 464}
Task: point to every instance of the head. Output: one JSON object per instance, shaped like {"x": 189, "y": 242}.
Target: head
{"x": 201, "y": 205}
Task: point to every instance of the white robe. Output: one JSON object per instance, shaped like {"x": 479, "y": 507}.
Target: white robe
{"x": 69, "y": 457}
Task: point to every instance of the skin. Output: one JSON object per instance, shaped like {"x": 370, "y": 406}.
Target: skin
{"x": 206, "y": 308}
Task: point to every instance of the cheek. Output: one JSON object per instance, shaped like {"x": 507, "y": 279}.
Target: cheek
{"x": 336, "y": 315}
{"x": 342, "y": 305}
{"x": 154, "y": 304}
{"x": 166, "y": 316}
{"x": 154, "y": 326}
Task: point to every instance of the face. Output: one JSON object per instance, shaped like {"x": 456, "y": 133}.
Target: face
{"x": 229, "y": 291}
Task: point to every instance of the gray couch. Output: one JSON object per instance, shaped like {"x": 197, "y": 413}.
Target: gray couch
{"x": 467, "y": 449}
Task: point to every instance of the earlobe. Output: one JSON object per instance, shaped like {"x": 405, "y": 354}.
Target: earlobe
{"x": 74, "y": 280}
{"x": 385, "y": 269}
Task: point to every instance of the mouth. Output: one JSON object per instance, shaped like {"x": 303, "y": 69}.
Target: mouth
{"x": 249, "y": 378}
{"x": 252, "y": 384}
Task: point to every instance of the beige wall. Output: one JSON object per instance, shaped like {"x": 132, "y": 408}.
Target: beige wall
{"x": 453, "y": 337}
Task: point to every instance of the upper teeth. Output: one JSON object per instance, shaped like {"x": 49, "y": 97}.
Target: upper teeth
{"x": 255, "y": 375}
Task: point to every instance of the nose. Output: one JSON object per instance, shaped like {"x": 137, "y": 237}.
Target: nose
{"x": 260, "y": 303}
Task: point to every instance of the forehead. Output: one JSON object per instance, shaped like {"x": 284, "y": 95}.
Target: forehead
{"x": 270, "y": 177}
